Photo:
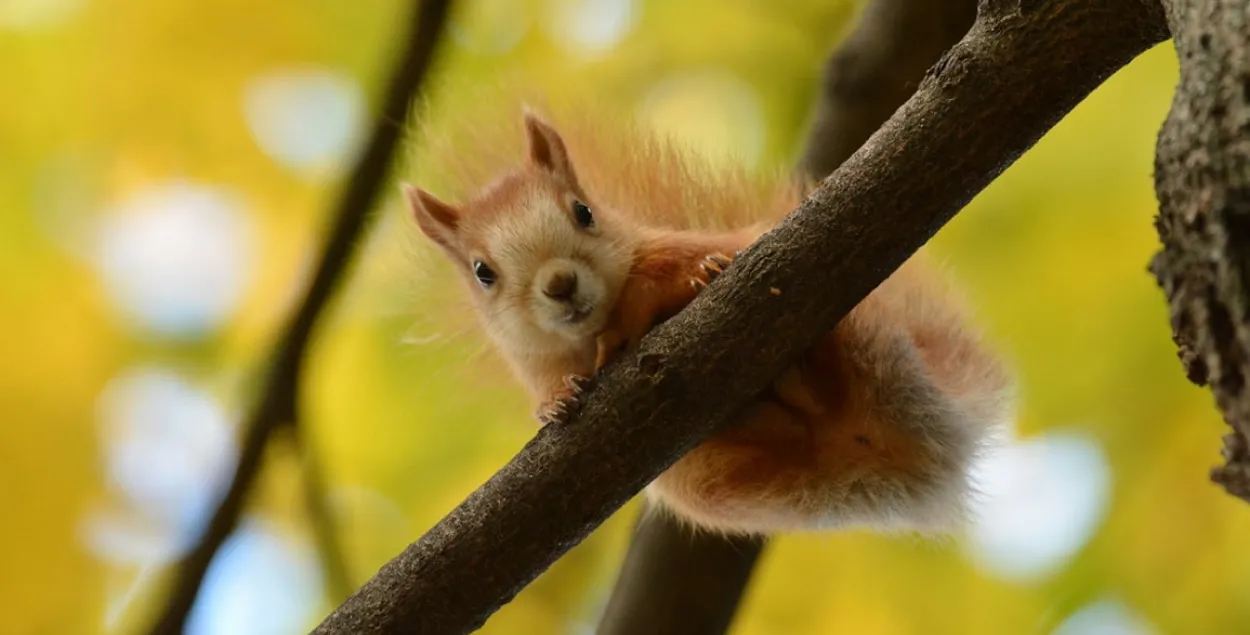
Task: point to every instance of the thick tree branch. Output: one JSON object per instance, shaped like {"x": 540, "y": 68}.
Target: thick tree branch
{"x": 875, "y": 69}
{"x": 278, "y": 404}
{"x": 678, "y": 582}
{"x": 989, "y": 99}
{"x": 1202, "y": 178}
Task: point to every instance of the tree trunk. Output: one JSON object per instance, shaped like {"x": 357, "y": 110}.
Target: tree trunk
{"x": 1202, "y": 178}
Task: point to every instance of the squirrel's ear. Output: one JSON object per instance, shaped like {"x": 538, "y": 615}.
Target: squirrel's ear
{"x": 546, "y": 148}
{"x": 437, "y": 220}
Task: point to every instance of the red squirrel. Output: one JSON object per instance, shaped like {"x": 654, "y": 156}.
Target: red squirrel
{"x": 877, "y": 425}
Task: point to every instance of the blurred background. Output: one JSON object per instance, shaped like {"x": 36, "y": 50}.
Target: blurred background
{"x": 166, "y": 172}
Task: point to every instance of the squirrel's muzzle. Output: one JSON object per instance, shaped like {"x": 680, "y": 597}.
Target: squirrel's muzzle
{"x": 561, "y": 286}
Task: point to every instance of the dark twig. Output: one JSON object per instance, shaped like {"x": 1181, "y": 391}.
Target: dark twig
{"x": 988, "y": 100}
{"x": 679, "y": 582}
{"x": 278, "y": 402}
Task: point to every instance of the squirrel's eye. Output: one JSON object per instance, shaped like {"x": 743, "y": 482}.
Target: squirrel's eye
{"x": 485, "y": 275}
{"x": 582, "y": 214}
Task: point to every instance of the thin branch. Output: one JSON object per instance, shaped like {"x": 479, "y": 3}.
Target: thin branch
{"x": 278, "y": 403}
{"x": 988, "y": 100}
{"x": 678, "y": 582}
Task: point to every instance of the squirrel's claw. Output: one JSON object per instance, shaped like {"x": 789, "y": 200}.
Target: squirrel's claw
{"x": 718, "y": 262}
{"x": 712, "y": 266}
{"x": 576, "y": 383}
{"x": 559, "y": 410}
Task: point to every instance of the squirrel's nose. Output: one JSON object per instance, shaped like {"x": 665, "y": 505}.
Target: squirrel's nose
{"x": 561, "y": 286}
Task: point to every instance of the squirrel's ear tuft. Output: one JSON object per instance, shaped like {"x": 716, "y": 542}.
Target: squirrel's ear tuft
{"x": 546, "y": 148}
{"x": 437, "y": 220}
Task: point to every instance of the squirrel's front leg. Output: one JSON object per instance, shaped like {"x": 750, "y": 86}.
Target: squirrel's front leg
{"x": 648, "y": 300}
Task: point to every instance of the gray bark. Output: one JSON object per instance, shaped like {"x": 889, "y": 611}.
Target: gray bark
{"x": 1202, "y": 179}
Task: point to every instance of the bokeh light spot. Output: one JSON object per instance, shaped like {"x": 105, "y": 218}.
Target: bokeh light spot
{"x": 176, "y": 257}
{"x": 590, "y": 26}
{"x": 1041, "y": 500}
{"x": 490, "y": 27}
{"x": 1105, "y": 617}
{"x": 262, "y": 582}
{"x": 28, "y": 14}
{"x": 309, "y": 120}
{"x": 716, "y": 112}
{"x": 168, "y": 450}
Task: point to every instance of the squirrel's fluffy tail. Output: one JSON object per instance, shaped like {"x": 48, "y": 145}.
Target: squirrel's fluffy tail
{"x": 877, "y": 426}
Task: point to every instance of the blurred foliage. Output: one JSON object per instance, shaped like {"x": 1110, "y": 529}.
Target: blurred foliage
{"x": 120, "y": 404}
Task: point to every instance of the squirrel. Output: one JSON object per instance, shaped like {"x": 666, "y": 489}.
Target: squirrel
{"x": 877, "y": 425}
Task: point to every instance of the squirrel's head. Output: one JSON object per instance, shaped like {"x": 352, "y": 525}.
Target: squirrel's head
{"x": 543, "y": 262}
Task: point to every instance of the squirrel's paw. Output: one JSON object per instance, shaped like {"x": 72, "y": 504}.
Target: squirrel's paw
{"x": 712, "y": 266}
{"x": 559, "y": 409}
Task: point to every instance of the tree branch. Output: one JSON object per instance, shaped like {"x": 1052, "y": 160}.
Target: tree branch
{"x": 1202, "y": 179}
{"x": 989, "y": 99}
{"x": 875, "y": 69}
{"x": 278, "y": 403}
{"x": 675, "y": 581}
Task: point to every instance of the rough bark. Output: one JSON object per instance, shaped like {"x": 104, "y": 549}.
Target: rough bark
{"x": 677, "y": 582}
{"x": 1021, "y": 68}
{"x": 1202, "y": 179}
{"x": 876, "y": 68}
{"x": 278, "y": 404}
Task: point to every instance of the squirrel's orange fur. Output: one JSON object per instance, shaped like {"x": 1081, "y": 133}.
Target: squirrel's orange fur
{"x": 580, "y": 250}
